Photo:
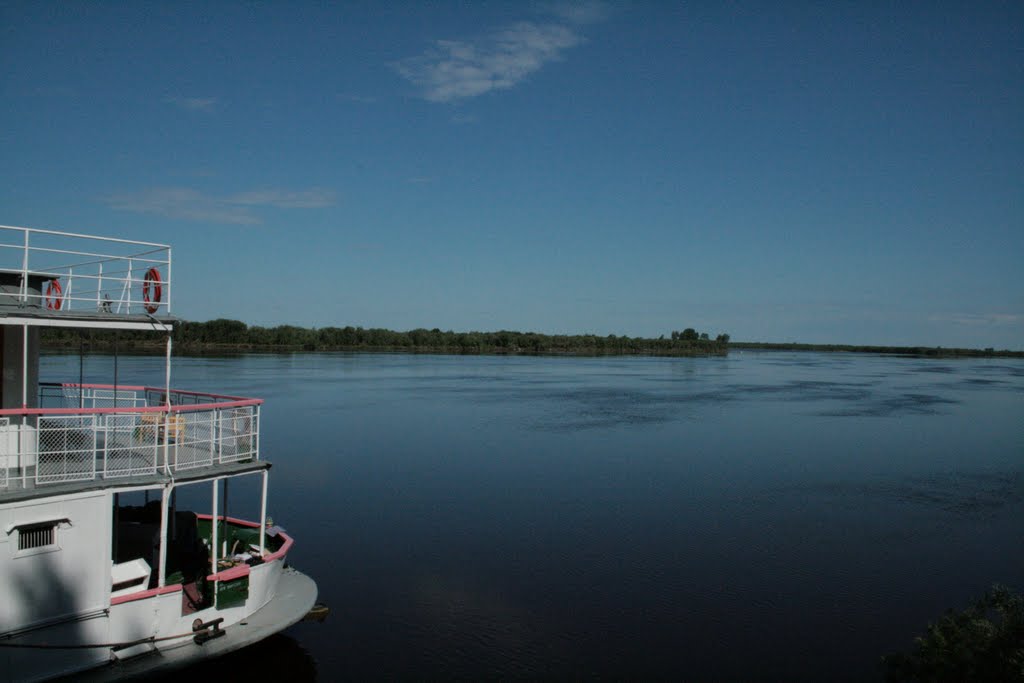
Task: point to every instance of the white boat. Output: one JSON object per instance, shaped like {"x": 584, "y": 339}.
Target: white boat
{"x": 102, "y": 574}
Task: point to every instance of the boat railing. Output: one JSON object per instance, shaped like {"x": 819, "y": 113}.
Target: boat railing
{"x": 65, "y": 271}
{"x": 88, "y": 432}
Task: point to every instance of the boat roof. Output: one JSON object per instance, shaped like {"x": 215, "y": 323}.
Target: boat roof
{"x": 217, "y": 471}
{"x": 13, "y": 314}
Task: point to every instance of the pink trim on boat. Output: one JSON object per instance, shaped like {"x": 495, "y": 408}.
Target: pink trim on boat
{"x": 288, "y": 542}
{"x": 281, "y": 552}
{"x": 141, "y": 595}
{"x": 230, "y": 574}
{"x": 126, "y": 411}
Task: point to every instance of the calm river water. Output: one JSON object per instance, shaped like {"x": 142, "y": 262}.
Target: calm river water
{"x": 766, "y": 516}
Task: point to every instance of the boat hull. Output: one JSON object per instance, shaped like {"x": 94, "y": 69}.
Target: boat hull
{"x": 295, "y": 596}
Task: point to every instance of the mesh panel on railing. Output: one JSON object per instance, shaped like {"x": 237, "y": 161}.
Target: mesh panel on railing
{"x": 108, "y": 398}
{"x": 67, "y": 448}
{"x": 237, "y": 434}
{"x": 194, "y": 444}
{"x": 131, "y": 444}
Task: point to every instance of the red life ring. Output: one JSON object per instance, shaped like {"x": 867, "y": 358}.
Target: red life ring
{"x": 151, "y": 283}
{"x": 54, "y": 295}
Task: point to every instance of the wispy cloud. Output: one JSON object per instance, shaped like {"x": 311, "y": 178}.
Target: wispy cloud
{"x": 453, "y": 70}
{"x": 236, "y": 209}
{"x": 315, "y": 198}
{"x": 193, "y": 103}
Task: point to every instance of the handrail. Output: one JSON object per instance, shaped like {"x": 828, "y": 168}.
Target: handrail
{"x": 123, "y": 431}
{"x": 108, "y": 276}
{"x": 90, "y": 237}
{"x": 131, "y": 409}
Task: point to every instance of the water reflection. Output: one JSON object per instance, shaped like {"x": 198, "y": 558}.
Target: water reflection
{"x": 767, "y": 516}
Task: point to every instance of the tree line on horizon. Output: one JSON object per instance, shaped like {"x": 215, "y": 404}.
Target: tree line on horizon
{"x": 228, "y": 334}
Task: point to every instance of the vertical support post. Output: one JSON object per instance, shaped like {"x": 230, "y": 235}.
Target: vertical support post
{"x": 24, "y": 401}
{"x": 167, "y": 406}
{"x": 24, "y": 271}
{"x": 254, "y": 432}
{"x": 99, "y": 289}
{"x": 263, "y": 515}
{"x": 213, "y": 533}
{"x": 225, "y": 549}
{"x": 24, "y": 367}
{"x": 117, "y": 519}
{"x": 170, "y": 286}
{"x": 66, "y": 303}
{"x": 167, "y": 370}
{"x": 164, "y": 505}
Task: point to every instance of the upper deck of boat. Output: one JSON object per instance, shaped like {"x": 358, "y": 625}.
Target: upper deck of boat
{"x": 50, "y": 278}
{"x": 67, "y": 437}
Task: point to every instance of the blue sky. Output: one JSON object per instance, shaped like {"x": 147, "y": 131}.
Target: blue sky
{"x": 780, "y": 172}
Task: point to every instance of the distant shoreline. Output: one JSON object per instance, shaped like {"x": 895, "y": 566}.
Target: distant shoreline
{"x": 157, "y": 347}
{"x": 920, "y": 351}
{"x": 234, "y": 337}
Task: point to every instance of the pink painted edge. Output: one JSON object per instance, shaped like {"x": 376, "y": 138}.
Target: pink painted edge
{"x": 131, "y": 387}
{"x": 281, "y": 552}
{"x": 230, "y": 574}
{"x": 127, "y": 411}
{"x": 141, "y": 595}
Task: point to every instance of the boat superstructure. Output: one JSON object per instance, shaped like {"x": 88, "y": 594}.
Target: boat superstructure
{"x": 104, "y": 570}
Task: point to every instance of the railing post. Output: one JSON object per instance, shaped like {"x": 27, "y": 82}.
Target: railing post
{"x": 167, "y": 441}
{"x": 213, "y": 536}
{"x": 99, "y": 289}
{"x": 24, "y": 271}
{"x": 169, "y": 281}
{"x": 256, "y": 439}
{"x": 215, "y": 433}
{"x": 162, "y": 565}
{"x": 263, "y": 515}
{"x": 67, "y": 294}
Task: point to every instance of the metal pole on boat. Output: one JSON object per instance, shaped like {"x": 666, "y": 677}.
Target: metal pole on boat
{"x": 263, "y": 514}
{"x": 24, "y": 366}
{"x": 164, "y": 502}
{"x": 213, "y": 536}
{"x": 167, "y": 371}
{"x": 225, "y": 549}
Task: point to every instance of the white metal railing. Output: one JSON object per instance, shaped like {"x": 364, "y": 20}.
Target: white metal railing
{"x": 84, "y": 272}
{"x": 93, "y": 432}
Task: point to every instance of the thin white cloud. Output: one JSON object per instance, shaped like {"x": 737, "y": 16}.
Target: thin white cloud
{"x": 194, "y": 103}
{"x": 455, "y": 70}
{"x": 314, "y": 198}
{"x": 236, "y": 209}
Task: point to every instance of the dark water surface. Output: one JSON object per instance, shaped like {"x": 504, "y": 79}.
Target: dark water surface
{"x": 766, "y": 516}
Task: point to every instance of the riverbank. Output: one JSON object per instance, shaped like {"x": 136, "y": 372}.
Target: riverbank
{"x": 921, "y": 351}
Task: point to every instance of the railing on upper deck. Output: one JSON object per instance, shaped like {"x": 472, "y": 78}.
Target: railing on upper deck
{"x": 87, "y": 273}
{"x": 91, "y": 432}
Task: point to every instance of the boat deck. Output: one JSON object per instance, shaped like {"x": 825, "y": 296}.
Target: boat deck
{"x": 99, "y": 436}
